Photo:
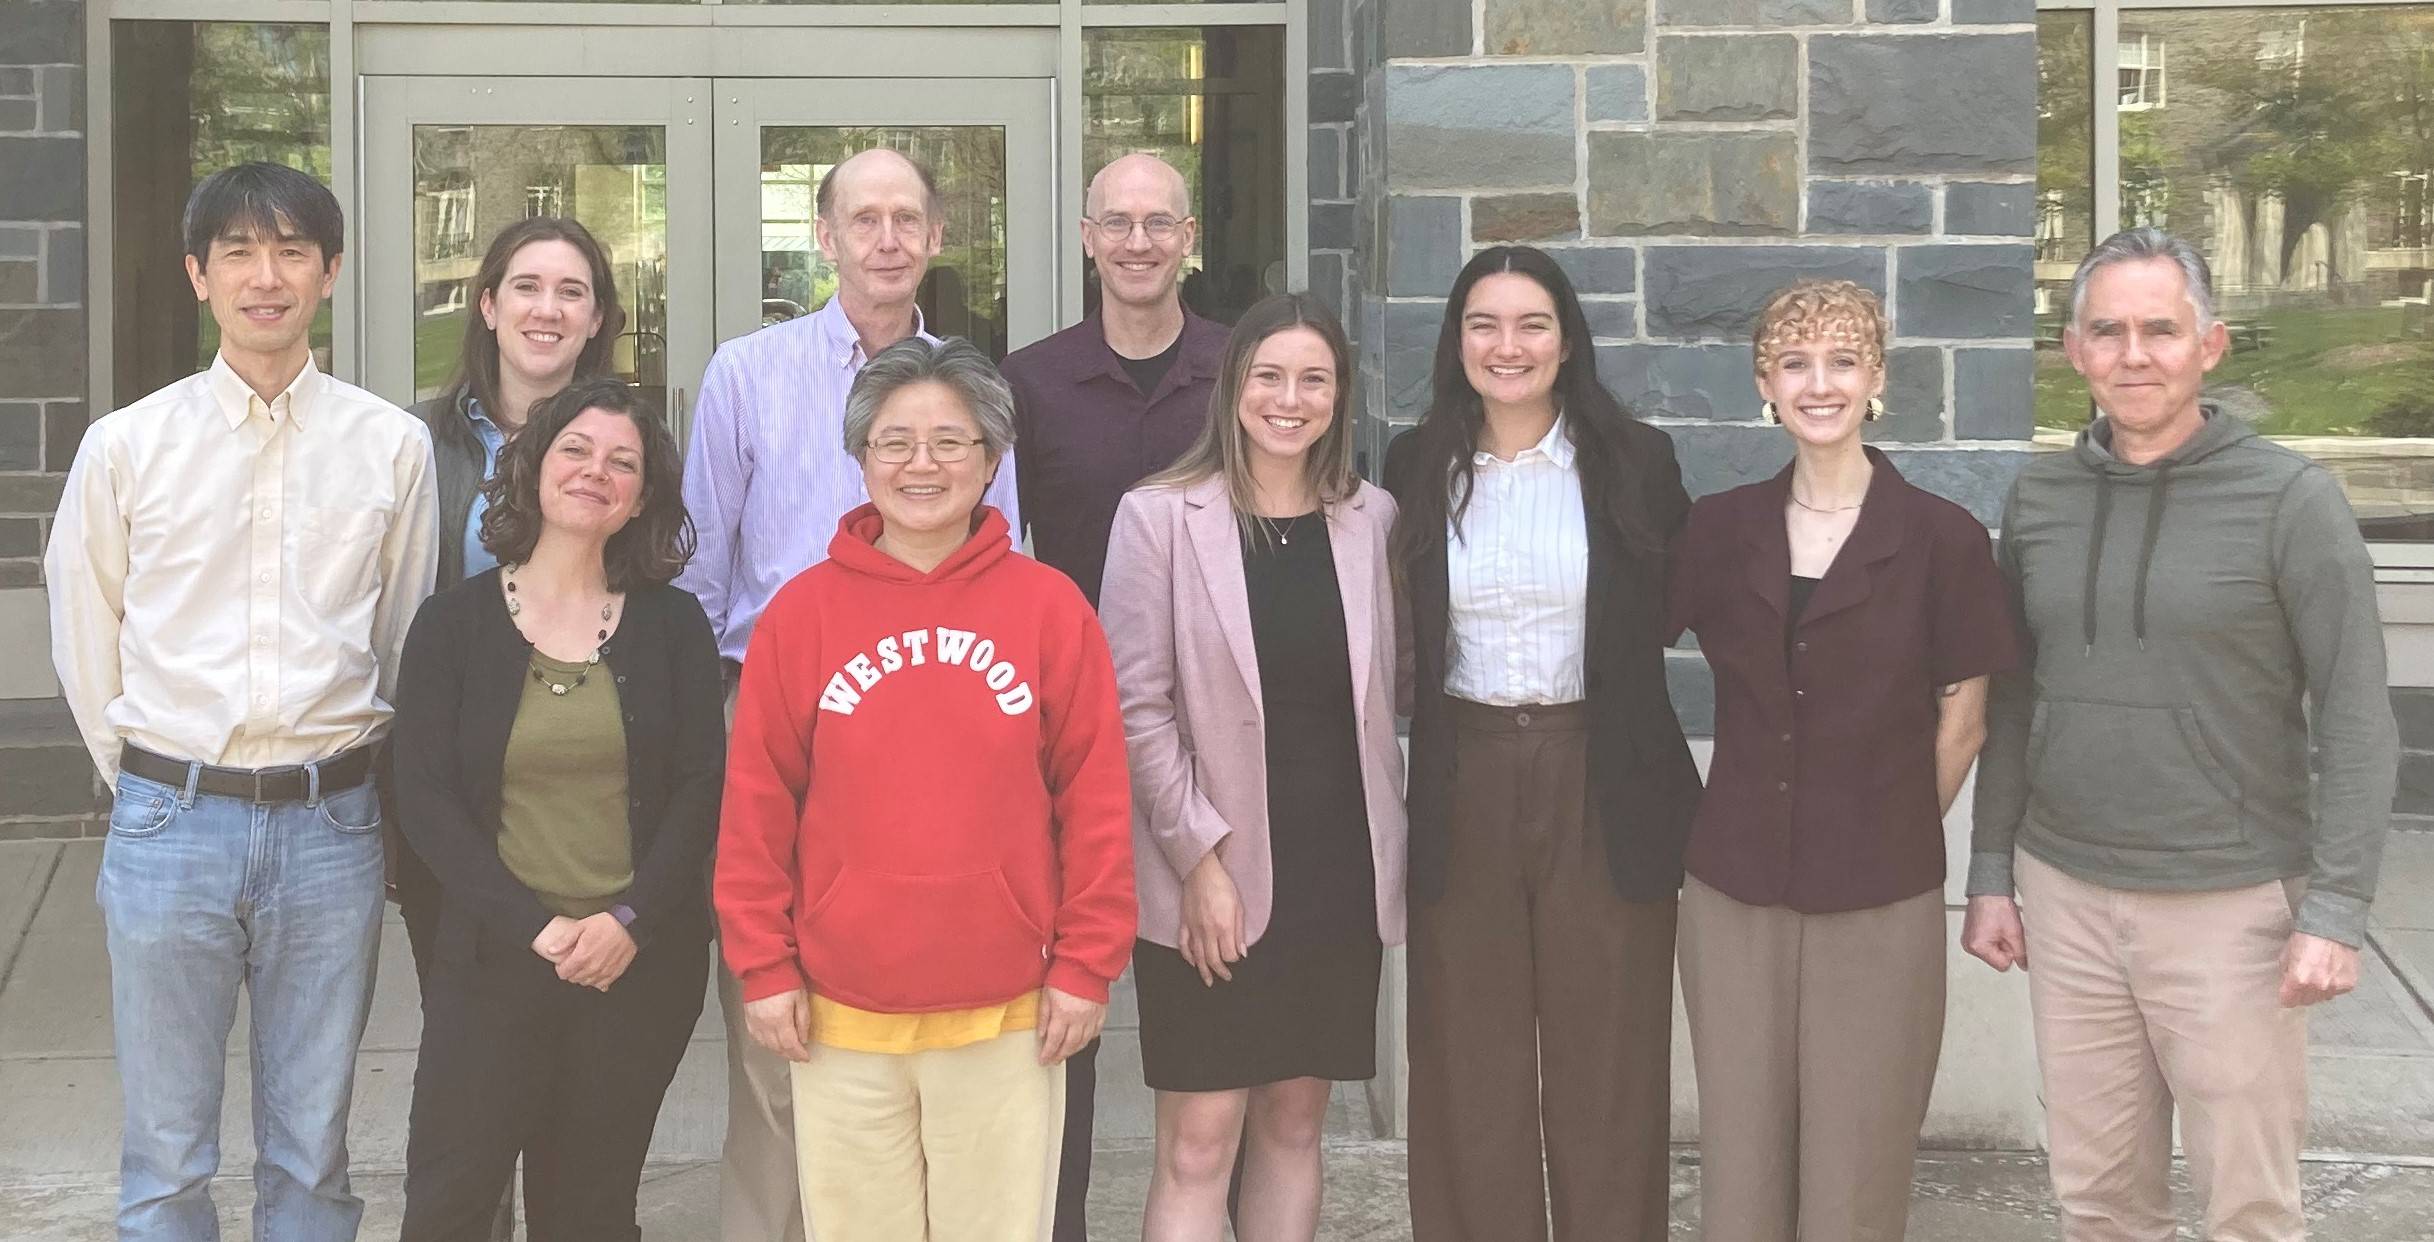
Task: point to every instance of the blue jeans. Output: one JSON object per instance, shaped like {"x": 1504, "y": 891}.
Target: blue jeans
{"x": 202, "y": 895}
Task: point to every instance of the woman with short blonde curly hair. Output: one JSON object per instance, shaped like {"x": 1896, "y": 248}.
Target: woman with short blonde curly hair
{"x": 1851, "y": 620}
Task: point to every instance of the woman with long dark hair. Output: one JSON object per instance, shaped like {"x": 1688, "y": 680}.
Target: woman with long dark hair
{"x": 1248, "y": 605}
{"x": 1551, "y": 789}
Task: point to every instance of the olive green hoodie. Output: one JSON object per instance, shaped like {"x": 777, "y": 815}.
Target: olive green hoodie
{"x": 2193, "y": 625}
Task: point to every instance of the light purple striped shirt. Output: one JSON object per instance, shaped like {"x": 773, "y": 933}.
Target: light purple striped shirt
{"x": 768, "y": 476}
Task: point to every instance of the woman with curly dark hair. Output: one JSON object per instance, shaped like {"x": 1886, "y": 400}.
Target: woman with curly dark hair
{"x": 559, "y": 747}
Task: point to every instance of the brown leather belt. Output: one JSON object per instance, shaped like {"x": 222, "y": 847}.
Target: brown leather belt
{"x": 291, "y": 783}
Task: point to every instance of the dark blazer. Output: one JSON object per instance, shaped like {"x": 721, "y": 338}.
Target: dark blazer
{"x": 456, "y": 454}
{"x": 458, "y": 688}
{"x": 1822, "y": 794}
{"x": 1643, "y": 785}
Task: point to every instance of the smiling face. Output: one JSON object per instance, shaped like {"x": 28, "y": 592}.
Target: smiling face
{"x": 591, "y": 477}
{"x": 1821, "y": 384}
{"x": 263, "y": 290}
{"x": 1512, "y": 342}
{"x": 1288, "y": 395}
{"x": 1138, "y": 193}
{"x": 544, "y": 312}
{"x": 879, "y": 229}
{"x": 926, "y": 496}
{"x": 2137, "y": 342}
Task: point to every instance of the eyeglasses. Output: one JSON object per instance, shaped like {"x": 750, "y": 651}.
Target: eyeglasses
{"x": 945, "y": 450}
{"x": 1159, "y": 228}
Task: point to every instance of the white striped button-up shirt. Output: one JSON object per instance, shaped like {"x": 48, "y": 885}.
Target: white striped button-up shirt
{"x": 1518, "y": 577}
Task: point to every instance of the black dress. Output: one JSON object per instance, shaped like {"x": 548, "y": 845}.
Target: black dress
{"x": 1303, "y": 1001}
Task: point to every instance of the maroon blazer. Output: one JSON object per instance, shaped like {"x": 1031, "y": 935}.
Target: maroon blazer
{"x": 1822, "y": 793}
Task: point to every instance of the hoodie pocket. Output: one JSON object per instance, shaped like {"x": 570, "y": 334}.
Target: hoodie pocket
{"x": 907, "y": 943}
{"x": 2130, "y": 777}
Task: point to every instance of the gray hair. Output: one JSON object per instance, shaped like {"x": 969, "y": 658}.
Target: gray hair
{"x": 2139, "y": 245}
{"x": 954, "y": 362}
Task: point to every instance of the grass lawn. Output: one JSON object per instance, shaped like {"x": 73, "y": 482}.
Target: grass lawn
{"x": 2327, "y": 370}
{"x": 436, "y": 341}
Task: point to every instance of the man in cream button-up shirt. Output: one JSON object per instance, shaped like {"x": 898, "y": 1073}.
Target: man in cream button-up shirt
{"x": 232, "y": 570}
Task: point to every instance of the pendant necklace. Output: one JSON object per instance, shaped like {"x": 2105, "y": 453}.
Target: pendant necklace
{"x": 1281, "y": 534}
{"x": 515, "y": 608}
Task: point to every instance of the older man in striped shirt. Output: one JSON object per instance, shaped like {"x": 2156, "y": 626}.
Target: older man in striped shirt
{"x": 766, "y": 482}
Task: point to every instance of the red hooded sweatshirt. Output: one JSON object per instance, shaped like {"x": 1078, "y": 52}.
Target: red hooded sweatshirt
{"x": 927, "y": 802}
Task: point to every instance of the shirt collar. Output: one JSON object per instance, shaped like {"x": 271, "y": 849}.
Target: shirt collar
{"x": 843, "y": 343}
{"x": 1554, "y": 446}
{"x": 236, "y": 399}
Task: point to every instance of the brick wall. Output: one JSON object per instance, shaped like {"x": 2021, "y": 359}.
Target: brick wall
{"x": 42, "y": 270}
{"x": 1684, "y": 159}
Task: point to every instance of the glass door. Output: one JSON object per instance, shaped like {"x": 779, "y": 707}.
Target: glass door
{"x": 448, "y": 162}
{"x": 989, "y": 144}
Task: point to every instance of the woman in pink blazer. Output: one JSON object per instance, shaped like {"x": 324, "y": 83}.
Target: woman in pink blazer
{"x": 1252, "y": 621}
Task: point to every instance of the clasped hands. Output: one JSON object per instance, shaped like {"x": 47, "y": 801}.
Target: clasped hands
{"x": 589, "y": 952}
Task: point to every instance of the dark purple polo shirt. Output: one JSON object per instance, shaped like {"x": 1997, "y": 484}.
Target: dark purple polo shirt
{"x": 1822, "y": 793}
{"x": 1085, "y": 435}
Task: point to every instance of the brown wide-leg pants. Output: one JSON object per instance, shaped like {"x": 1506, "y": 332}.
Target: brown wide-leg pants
{"x": 1816, "y": 1038}
{"x": 1541, "y": 1007}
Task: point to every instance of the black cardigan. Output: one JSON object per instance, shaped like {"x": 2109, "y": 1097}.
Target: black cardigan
{"x": 458, "y": 688}
{"x": 1643, "y": 786}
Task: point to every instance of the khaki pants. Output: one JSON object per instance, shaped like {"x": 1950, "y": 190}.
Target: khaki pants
{"x": 759, "y": 1199}
{"x": 2147, "y": 1000}
{"x": 958, "y": 1145}
{"x": 1815, "y": 1038}
{"x": 1541, "y": 1007}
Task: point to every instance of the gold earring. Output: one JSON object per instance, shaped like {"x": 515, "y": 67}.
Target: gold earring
{"x": 1768, "y": 409}
{"x": 1876, "y": 408}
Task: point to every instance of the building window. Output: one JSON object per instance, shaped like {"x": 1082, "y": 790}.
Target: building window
{"x": 2142, "y": 71}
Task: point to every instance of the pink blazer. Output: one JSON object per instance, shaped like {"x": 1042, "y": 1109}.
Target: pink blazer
{"x": 1178, "y": 618}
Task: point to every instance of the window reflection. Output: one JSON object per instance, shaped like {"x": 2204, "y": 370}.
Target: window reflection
{"x": 2066, "y": 202}
{"x": 188, "y": 99}
{"x": 1209, "y": 101}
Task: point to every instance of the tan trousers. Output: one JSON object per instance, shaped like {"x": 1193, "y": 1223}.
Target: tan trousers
{"x": 759, "y": 1198}
{"x": 959, "y": 1145}
{"x": 1541, "y": 1008}
{"x": 1815, "y": 1038}
{"x": 2144, "y": 1001}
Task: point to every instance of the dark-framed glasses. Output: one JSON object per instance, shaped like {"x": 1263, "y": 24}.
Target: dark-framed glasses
{"x": 945, "y": 450}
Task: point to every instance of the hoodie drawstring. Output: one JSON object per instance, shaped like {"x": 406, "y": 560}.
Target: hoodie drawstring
{"x": 2095, "y": 560}
{"x": 2156, "y": 492}
{"x": 2146, "y": 552}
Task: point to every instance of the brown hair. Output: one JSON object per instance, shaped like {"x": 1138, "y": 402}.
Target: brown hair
{"x": 1224, "y": 448}
{"x": 652, "y": 547}
{"x": 477, "y": 364}
{"x": 1806, "y": 310}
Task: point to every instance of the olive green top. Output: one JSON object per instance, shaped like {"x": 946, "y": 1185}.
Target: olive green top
{"x": 562, "y": 813}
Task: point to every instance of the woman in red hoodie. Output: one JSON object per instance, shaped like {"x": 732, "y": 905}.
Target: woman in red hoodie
{"x": 925, "y": 854}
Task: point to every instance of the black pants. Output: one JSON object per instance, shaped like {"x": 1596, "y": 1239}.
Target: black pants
{"x": 513, "y": 1060}
{"x": 1073, "y": 1168}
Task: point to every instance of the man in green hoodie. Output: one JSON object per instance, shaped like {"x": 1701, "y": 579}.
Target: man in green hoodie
{"x": 2201, "y": 617}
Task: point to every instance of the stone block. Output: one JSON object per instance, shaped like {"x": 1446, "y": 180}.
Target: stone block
{"x": 1870, "y": 207}
{"x": 63, "y": 429}
{"x": 1965, "y": 291}
{"x": 22, "y": 573}
{"x": 42, "y": 351}
{"x": 1330, "y": 39}
{"x": 1333, "y": 226}
{"x": 30, "y": 494}
{"x": 1618, "y": 93}
{"x": 1993, "y": 12}
{"x": 64, "y": 269}
{"x": 20, "y": 243}
{"x": 1753, "y": 13}
{"x": 1335, "y": 97}
{"x": 1727, "y": 78}
{"x": 1566, "y": 27}
{"x": 1424, "y": 249}
{"x": 1599, "y": 269}
{"x": 63, "y": 98}
{"x": 1698, "y": 184}
{"x": 39, "y": 783}
{"x": 46, "y": 177}
{"x": 1923, "y": 103}
{"x": 1710, "y": 382}
{"x": 1525, "y": 218}
{"x": 2413, "y": 707}
{"x": 1411, "y": 344}
{"x": 20, "y": 536}
{"x": 20, "y": 116}
{"x": 2416, "y": 790}
{"x": 1995, "y": 392}
{"x": 1327, "y": 275}
{"x": 42, "y": 32}
{"x": 20, "y": 435}
{"x": 1327, "y": 163}
{"x": 1612, "y": 318}
{"x": 20, "y": 280}
{"x": 1914, "y": 398}
{"x": 1719, "y": 456}
{"x": 1715, "y": 291}
{"x": 1975, "y": 478}
{"x": 1466, "y": 126}
{"x": 1991, "y": 210}
{"x": 1896, "y": 11}
{"x": 1425, "y": 28}
{"x": 20, "y": 80}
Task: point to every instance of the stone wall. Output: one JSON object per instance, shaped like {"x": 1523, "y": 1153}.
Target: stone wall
{"x": 1684, "y": 159}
